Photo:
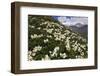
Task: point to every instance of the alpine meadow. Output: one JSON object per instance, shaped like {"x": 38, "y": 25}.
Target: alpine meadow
{"x": 57, "y": 37}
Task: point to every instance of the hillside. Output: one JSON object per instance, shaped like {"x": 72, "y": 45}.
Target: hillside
{"x": 49, "y": 40}
{"x": 83, "y": 31}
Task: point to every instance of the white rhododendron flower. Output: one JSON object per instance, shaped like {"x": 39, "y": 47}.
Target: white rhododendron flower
{"x": 50, "y": 52}
{"x": 37, "y": 48}
{"x": 49, "y": 36}
{"x": 56, "y": 48}
{"x": 43, "y": 23}
{"x": 49, "y": 30}
{"x": 33, "y": 54}
{"x": 75, "y": 48}
{"x": 82, "y": 53}
{"x": 34, "y": 50}
{"x": 30, "y": 58}
{"x": 67, "y": 32}
{"x": 57, "y": 38}
{"x": 39, "y": 28}
{"x": 36, "y": 36}
{"x": 79, "y": 49}
{"x": 67, "y": 46}
{"x": 83, "y": 46}
{"x": 62, "y": 36}
{"x": 55, "y": 51}
{"x": 31, "y": 26}
{"x": 45, "y": 41}
{"x": 32, "y": 36}
{"x": 63, "y": 55}
{"x": 47, "y": 57}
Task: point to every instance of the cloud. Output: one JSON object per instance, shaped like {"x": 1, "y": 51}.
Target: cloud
{"x": 72, "y": 20}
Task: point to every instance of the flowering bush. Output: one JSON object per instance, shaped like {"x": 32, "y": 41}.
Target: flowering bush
{"x": 48, "y": 39}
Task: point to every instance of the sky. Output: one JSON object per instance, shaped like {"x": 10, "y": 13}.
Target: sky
{"x": 72, "y": 20}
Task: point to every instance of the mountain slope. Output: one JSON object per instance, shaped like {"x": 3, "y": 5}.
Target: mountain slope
{"x": 83, "y": 30}
{"x": 49, "y": 40}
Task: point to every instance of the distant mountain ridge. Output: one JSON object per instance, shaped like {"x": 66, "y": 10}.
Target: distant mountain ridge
{"x": 82, "y": 30}
{"x": 80, "y": 25}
